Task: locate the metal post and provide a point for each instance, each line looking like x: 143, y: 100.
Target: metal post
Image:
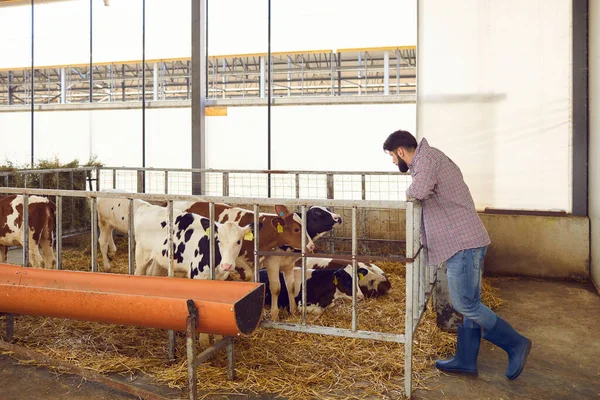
x: 262, y: 77
x: 408, y: 331
x: 140, y: 181
x: 63, y: 86
x: 25, y: 230
x: 41, y: 181
x: 166, y: 181
x: 359, y: 74
x: 199, y: 80
x: 211, y: 238
x: 297, y: 186
x: 114, y: 178
x: 91, y: 72
x: 59, y: 218
x: 32, y: 85
x: 416, y: 238
x: 230, y: 359
x: 94, y: 232
x: 330, y: 195
x: 143, y: 93
x: 10, y: 87
x: 225, y: 190
x: 386, y: 73
x: 72, y: 200
x: 224, y: 77
x: 171, y: 252
x: 97, y: 179
x: 256, y: 242
x: 363, y: 182
x: 131, y: 239
x: 354, y: 278
x: 155, y: 84
x: 190, y: 341
x: 303, y: 211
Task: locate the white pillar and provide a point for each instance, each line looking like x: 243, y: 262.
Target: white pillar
x: 155, y: 81
x: 262, y: 77
x: 63, y: 86
x: 386, y: 73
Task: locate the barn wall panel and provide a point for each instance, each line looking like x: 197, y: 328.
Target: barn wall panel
x: 494, y: 94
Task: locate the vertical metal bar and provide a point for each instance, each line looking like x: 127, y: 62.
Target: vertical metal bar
x: 10, y: 327
x: 143, y: 91
x: 270, y: 93
x: 297, y: 186
x: 339, y: 73
x: 57, y: 178
x: 32, y: 84
x: 59, y: 219
x: 330, y: 195
x: 166, y: 181
x: 114, y: 178
x: 140, y: 181
x: 72, y: 200
x: 303, y: 254
x: 262, y: 77
x: 63, y: 86
x: 25, y: 225
x: 155, y: 83
x: 230, y: 359
x: 131, y: 239
x: 170, y: 271
x: 91, y: 72
x: 354, y: 278
x: 386, y: 73
x: 199, y: 90
x: 190, y: 341
x: 211, y: 237
x: 225, y: 183
x: 416, y: 265
x: 6, y: 180
x: 94, y: 234
x: 97, y: 179
x: 256, y: 243
x: 397, y: 71
x: 41, y: 181
x: 408, y: 331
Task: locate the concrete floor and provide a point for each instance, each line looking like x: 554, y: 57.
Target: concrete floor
x: 561, y: 318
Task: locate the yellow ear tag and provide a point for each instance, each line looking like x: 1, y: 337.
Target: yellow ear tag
x: 360, y: 276
x: 248, y: 236
x: 208, y: 232
x: 335, y: 280
x: 279, y: 228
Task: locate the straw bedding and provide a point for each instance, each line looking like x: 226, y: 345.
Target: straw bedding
x: 289, y: 364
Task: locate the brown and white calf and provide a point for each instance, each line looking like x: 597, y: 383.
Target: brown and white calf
x: 372, y: 281
x: 282, y: 229
x: 41, y: 228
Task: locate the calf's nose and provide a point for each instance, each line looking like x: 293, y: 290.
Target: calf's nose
x: 227, y: 267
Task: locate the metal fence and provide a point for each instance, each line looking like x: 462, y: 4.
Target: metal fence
x: 420, y: 279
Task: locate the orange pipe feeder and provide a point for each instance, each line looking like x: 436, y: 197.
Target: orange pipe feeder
x: 225, y: 308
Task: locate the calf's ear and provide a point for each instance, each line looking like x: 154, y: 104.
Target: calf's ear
x: 278, y: 223
x: 281, y: 210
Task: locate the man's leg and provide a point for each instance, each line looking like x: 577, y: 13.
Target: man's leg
x: 464, y: 279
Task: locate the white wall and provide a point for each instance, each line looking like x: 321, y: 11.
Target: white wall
x: 494, y: 94
x: 594, y: 142
x: 235, y: 26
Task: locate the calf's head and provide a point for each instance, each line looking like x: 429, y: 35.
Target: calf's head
x: 229, y: 237
x: 320, y: 220
x: 342, y: 279
x: 374, y: 282
x: 289, y: 230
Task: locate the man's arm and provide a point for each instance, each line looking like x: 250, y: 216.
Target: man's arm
x: 423, y: 180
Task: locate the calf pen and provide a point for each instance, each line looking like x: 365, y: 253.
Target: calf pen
x: 420, y: 279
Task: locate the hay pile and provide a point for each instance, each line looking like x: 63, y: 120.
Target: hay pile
x: 289, y: 364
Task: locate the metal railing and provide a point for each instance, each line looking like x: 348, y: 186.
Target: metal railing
x: 420, y: 279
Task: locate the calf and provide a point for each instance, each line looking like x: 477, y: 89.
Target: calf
x: 41, y: 228
x: 322, y: 288
x: 319, y: 220
x: 191, y: 242
x: 372, y: 283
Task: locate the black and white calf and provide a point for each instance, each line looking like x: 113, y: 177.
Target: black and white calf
x: 372, y: 283
x: 319, y: 220
x: 323, y: 286
x: 191, y: 243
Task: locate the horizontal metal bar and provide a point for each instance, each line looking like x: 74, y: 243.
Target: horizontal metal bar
x: 232, y: 171
x: 212, y: 350
x: 398, y: 205
x: 325, y: 330
x: 338, y: 256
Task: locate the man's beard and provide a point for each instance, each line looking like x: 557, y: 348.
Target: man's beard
x: 402, y: 166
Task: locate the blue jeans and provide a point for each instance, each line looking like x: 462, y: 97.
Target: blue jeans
x: 465, y: 269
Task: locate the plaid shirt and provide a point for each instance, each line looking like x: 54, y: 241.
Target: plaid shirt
x: 450, y: 222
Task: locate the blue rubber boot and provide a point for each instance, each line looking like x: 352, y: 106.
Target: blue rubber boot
x: 467, y: 350
x: 516, y: 346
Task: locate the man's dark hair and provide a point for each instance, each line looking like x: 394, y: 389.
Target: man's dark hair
x: 400, y: 138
